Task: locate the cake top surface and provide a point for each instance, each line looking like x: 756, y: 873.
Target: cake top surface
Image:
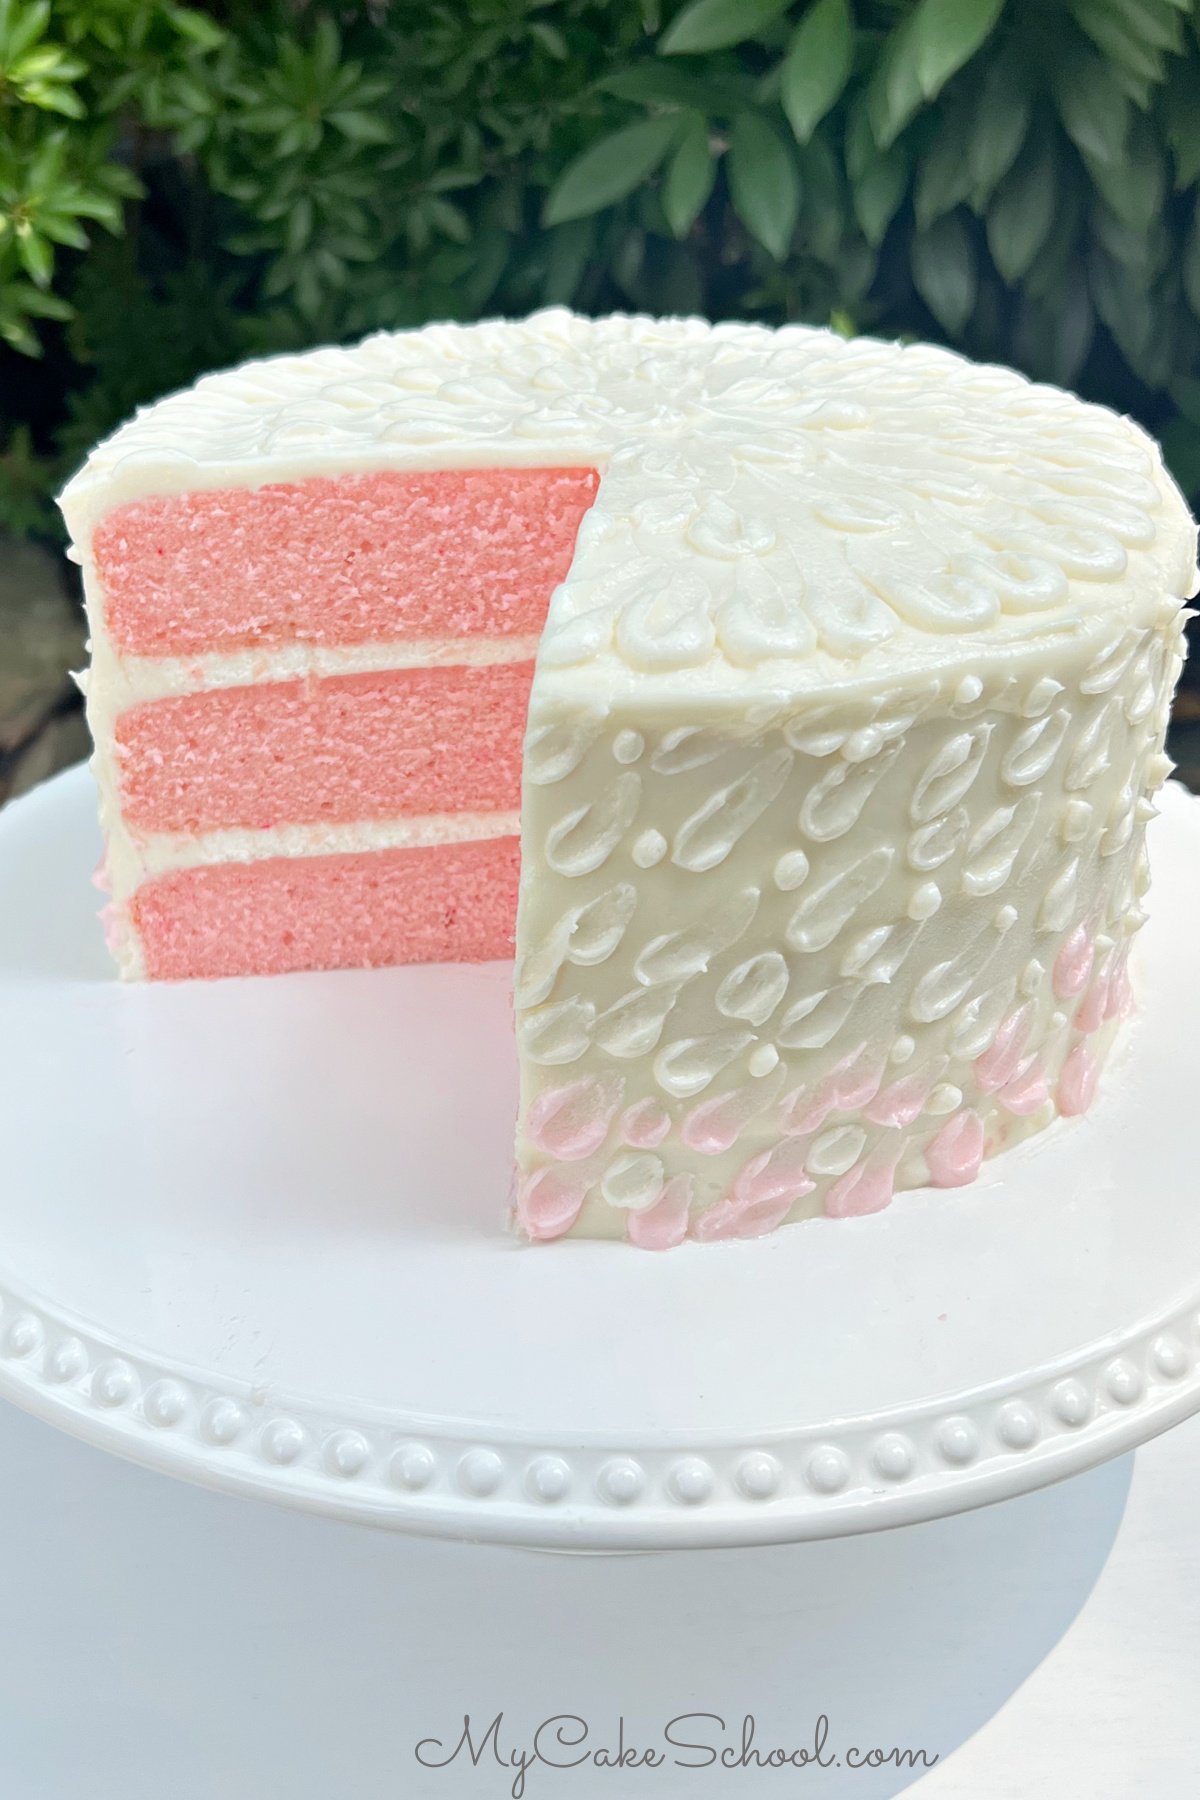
x: 768, y: 498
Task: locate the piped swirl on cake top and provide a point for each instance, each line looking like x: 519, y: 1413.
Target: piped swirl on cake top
x: 847, y: 669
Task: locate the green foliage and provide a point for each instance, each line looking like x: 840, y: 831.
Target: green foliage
x: 182, y: 186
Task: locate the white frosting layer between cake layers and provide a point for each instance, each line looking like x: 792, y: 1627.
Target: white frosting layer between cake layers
x: 161, y: 851
x: 840, y: 745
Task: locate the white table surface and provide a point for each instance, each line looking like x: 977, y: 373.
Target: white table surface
x: 159, y: 1642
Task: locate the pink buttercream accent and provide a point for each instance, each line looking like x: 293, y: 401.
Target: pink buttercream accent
x: 114, y: 927
x: 804, y: 1112
x: 663, y: 1225
x: 850, y: 1084
x: 1119, y: 1003
x: 1128, y: 1003
x: 1027, y: 1090
x: 100, y: 877
x: 867, y: 1188
x: 1073, y: 964
x: 764, y: 1193
x: 549, y: 1202
x: 645, y: 1124
x: 1093, y: 1008
x: 721, y: 1220
x: 1077, y: 1083
x: 955, y: 1153
x: 999, y: 1064
x: 857, y: 1079
x: 713, y: 1127
x: 572, y: 1122
x: 901, y: 1101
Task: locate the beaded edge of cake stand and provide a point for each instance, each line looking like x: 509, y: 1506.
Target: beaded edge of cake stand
x: 860, y: 1473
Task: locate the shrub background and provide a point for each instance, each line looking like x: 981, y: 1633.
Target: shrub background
x: 181, y: 187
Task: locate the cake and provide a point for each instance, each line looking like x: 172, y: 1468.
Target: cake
x: 799, y: 702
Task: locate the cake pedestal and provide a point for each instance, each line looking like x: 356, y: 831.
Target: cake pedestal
x: 251, y: 1233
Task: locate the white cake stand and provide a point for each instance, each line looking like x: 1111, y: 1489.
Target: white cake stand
x: 252, y: 1233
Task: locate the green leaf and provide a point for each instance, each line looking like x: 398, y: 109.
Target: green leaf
x: 204, y: 32
x: 1181, y: 448
x: 609, y: 170
x: 551, y: 39
x: 895, y: 91
x: 61, y: 228
x: 855, y: 270
x: 1121, y: 303
x: 1056, y: 264
x: 944, y: 272
x: 51, y: 98
x: 764, y: 184
x: 689, y: 178
x: 300, y: 222
x: 326, y: 47
x: 1135, y: 42
x: 1021, y: 214
x: 360, y: 127
x: 817, y: 66
x: 1147, y: 253
x: 929, y: 46
x: 669, y: 84
x: 1189, y: 268
x: 37, y: 256
x: 943, y: 179
x: 861, y: 148
x: 1156, y: 22
x: 1052, y: 339
x: 1070, y: 334
x: 878, y: 192
x: 449, y: 219
x: 19, y: 32
x: 1181, y: 122
x: 1092, y: 106
x: 998, y: 129
x: 571, y: 248
x: 715, y: 24
x: 825, y: 201
x: 946, y: 34
x: 1135, y: 188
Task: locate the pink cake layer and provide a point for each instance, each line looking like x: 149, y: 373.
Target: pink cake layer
x: 386, y: 745
x: 340, y: 561
x: 444, y: 903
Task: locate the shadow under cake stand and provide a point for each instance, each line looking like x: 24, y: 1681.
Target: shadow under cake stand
x: 252, y: 1234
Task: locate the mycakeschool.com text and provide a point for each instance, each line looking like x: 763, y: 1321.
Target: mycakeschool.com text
x: 694, y: 1740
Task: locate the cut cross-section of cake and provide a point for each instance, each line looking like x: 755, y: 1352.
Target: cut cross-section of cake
x: 813, y: 691
x: 308, y: 698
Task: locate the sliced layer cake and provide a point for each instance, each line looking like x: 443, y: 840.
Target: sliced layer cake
x: 853, y: 665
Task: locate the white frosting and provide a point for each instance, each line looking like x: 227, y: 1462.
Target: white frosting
x: 768, y: 498
x: 159, y: 852
x: 127, y: 680
x: 899, y: 915
x: 844, y: 726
